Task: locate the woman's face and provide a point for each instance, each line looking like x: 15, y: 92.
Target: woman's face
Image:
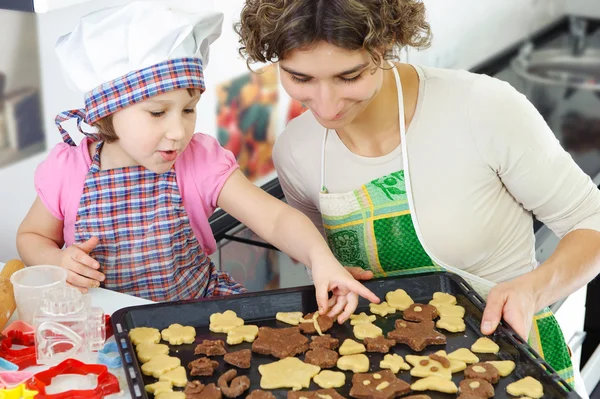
x: 334, y: 83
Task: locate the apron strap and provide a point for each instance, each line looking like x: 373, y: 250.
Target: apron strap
x: 322, y: 188
x: 70, y: 114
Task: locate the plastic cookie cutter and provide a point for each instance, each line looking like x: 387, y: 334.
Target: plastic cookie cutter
x: 18, y: 392
x: 21, y: 326
x: 107, y: 356
x: 11, y: 379
x: 5, y: 365
x: 23, y: 357
x: 107, y: 384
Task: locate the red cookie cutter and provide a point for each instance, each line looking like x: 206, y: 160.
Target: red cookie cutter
x: 24, y: 357
x: 108, y: 326
x: 108, y: 384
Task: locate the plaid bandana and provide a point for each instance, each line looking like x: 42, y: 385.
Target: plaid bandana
x: 181, y: 73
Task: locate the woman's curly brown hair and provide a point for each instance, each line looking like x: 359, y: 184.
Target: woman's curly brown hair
x: 269, y: 29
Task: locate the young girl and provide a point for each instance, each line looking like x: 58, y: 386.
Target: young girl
x: 131, y: 204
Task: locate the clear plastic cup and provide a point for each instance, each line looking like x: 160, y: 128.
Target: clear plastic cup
x: 30, y: 283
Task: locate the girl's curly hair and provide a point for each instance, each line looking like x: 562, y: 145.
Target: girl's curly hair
x: 269, y: 29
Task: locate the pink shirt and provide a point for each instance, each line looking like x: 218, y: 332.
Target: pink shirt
x: 201, y: 170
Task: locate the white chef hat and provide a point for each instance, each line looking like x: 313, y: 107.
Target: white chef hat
x: 122, y: 55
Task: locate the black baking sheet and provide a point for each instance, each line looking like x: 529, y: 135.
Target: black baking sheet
x: 260, y: 309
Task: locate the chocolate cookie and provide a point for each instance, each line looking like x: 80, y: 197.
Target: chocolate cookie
x: 324, y: 341
x: 325, y: 323
x: 211, y: 348
x: 324, y: 358
x: 420, y: 312
x: 238, y: 384
x: 483, y: 371
x: 241, y: 359
x: 280, y: 342
x: 197, y: 390
x: 416, y: 335
x: 380, y: 344
x: 203, y: 366
x: 260, y: 394
x: 380, y: 385
x: 475, y: 389
x: 320, y: 394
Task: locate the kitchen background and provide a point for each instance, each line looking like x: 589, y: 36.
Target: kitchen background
x: 245, y: 112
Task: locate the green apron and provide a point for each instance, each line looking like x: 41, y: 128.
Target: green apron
x: 373, y: 228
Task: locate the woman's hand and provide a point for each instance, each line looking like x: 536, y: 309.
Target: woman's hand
x: 82, y: 269
x: 359, y: 273
x: 516, y: 302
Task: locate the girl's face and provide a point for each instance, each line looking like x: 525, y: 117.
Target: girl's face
x: 334, y: 83
x: 154, y: 132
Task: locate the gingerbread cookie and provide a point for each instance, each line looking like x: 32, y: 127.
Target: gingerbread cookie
x: 527, y: 386
x: 380, y: 385
x: 314, y: 323
x: 292, y: 318
x: 394, y: 362
x: 177, y: 334
x: 434, y: 384
x: 320, y: 394
x: 232, y: 386
x: 398, y: 299
x: 367, y: 330
x: 241, y: 334
x: 224, y: 322
x: 452, y: 324
x: 351, y: 347
x: 361, y: 318
x: 324, y: 358
x: 504, y: 367
x: 379, y: 344
x: 485, y: 345
x: 424, y: 366
x: 211, y: 348
x: 290, y: 372
x: 382, y: 309
x: 203, y: 366
x: 144, y: 335
x: 197, y: 390
x: 260, y: 394
x: 475, y: 389
x: 147, y: 351
x: 464, y: 355
x: 160, y: 365
x: 416, y: 335
x: 330, y: 379
x: 483, y: 371
x: 280, y: 342
x: 241, y: 359
x: 175, y: 377
x: 324, y: 341
x: 355, y: 363
x: 159, y: 387
x: 420, y: 312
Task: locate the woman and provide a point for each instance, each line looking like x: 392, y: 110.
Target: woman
x: 409, y: 169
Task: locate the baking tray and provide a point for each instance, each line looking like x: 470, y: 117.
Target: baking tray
x: 260, y: 309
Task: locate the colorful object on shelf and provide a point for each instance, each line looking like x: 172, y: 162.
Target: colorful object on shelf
x: 11, y: 379
x: 108, y: 384
x: 18, y: 392
x: 105, y: 357
x: 24, y: 357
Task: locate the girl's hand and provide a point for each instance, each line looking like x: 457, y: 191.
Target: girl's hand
x: 82, y: 269
x: 331, y: 276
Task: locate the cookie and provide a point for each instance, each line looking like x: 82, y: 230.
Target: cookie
x: 424, y: 366
x: 475, y: 389
x: 420, y: 312
x: 382, y: 309
x: 211, y: 348
x: 147, y: 351
x: 280, y: 342
x: 463, y: 355
x: 160, y: 365
x: 175, y: 377
x: 290, y: 372
x: 241, y: 359
x: 442, y: 297
x: 483, y: 371
x: 398, y: 299
x: 351, y: 347
x: 324, y: 341
x: 355, y: 363
x: 485, y: 345
x: 292, y: 318
x: 452, y: 324
x: 379, y: 344
x: 197, y: 390
x: 434, y: 384
x: 203, y: 366
x: 159, y: 387
x: 455, y: 365
x: 416, y: 335
x: 445, y: 310
x: 260, y: 394
x: 380, y: 385
x: 394, y: 362
x: 232, y: 386
x: 504, y: 367
x: 527, y: 386
x: 176, y: 334
x: 224, y: 322
x: 330, y: 379
x: 144, y: 335
x: 170, y: 395
x: 417, y: 397
x: 441, y: 358
x: 320, y: 394
x: 324, y: 358
x: 242, y: 334
x: 314, y: 323
x: 361, y: 318
x: 367, y: 330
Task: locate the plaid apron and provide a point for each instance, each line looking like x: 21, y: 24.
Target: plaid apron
x: 373, y: 228
x: 147, y: 247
